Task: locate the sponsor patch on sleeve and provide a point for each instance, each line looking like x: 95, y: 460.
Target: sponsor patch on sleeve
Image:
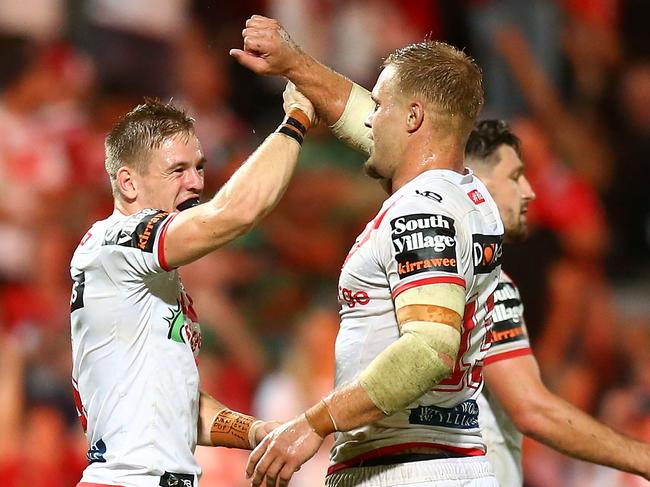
x: 140, y: 230
x: 424, y: 242
x: 508, y: 324
x: 487, y: 251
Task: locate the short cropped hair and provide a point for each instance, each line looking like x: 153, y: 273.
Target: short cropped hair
x: 487, y: 137
x: 140, y: 131
x: 442, y: 75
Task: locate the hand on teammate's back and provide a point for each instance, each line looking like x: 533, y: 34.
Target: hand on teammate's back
x: 268, y: 49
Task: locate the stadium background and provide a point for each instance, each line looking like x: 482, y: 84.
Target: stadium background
x: 572, y: 75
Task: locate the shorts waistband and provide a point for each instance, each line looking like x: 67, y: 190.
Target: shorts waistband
x: 427, y: 472
x: 404, y: 458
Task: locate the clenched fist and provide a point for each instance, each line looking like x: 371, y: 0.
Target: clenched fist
x: 268, y: 49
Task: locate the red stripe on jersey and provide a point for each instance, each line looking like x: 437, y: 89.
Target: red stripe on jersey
x: 161, y: 243
x: 394, y: 449
x: 80, y: 408
x: 373, y: 225
x: 429, y: 280
x: 490, y: 359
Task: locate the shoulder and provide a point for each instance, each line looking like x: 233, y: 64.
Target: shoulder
x: 137, y: 230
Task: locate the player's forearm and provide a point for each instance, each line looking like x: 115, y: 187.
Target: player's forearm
x: 247, y: 197
x: 220, y: 426
x: 257, y: 186
x: 565, y: 428
x: 351, y: 407
x: 326, y: 89
x: 392, y: 381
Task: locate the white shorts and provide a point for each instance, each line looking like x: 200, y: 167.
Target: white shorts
x: 448, y: 472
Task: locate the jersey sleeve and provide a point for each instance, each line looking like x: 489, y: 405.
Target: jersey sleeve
x: 422, y: 242
x: 508, y: 335
x: 137, y: 244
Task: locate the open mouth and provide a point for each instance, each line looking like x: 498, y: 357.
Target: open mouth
x: 191, y: 203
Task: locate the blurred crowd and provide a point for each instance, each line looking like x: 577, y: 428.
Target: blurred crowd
x: 573, y: 77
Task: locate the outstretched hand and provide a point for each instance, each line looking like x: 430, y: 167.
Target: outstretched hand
x: 282, y: 452
x: 268, y: 49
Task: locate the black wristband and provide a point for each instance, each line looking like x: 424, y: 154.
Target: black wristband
x: 295, y: 123
x: 283, y: 129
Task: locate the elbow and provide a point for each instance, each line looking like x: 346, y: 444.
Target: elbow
x: 526, y: 423
x: 532, y: 420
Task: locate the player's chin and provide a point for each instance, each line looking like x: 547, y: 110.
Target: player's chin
x: 370, y: 170
x: 516, y: 234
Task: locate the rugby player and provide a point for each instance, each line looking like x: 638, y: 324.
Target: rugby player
x: 135, y: 333
x: 515, y: 400
x: 422, y: 274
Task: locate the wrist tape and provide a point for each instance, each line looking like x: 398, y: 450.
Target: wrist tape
x: 320, y: 419
x: 295, y: 125
x: 233, y: 430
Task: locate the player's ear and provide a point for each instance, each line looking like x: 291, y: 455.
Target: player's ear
x: 415, y: 117
x: 126, y: 183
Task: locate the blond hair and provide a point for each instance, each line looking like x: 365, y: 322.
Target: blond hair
x: 442, y: 75
x: 139, y: 132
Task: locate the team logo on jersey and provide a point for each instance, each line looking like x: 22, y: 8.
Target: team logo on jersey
x: 487, y: 250
x: 96, y: 452
x: 424, y: 242
x: 462, y: 416
x: 181, y: 329
x: 176, y: 322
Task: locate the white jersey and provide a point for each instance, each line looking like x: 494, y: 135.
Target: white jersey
x: 134, y: 346
x: 508, y: 339
x: 441, y: 227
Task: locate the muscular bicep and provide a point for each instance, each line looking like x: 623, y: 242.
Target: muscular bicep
x: 198, y: 231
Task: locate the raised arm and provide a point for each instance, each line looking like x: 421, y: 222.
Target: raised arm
x: 342, y: 104
x: 556, y: 423
x: 250, y: 194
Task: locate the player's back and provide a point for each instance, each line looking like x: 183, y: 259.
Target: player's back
x: 441, y: 227
x: 134, y: 370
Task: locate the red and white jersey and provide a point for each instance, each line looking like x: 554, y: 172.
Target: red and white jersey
x: 441, y: 227
x: 509, y: 339
x: 135, y: 339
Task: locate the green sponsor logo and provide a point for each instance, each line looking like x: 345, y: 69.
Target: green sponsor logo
x: 175, y: 321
